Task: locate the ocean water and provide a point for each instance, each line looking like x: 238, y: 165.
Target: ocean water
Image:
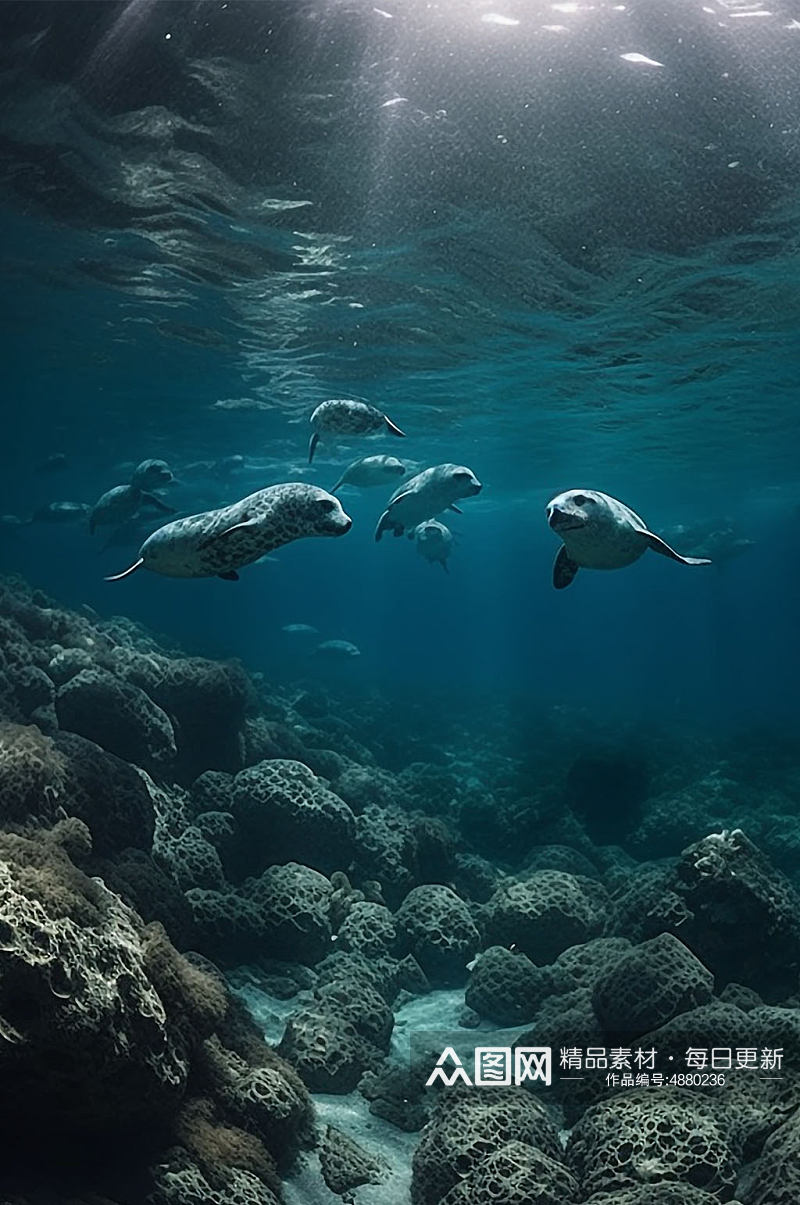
x: 556, y: 243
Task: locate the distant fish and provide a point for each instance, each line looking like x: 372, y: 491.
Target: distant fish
x: 370, y: 471
x: 299, y: 629
x: 434, y: 542
x: 61, y: 512
x: 53, y: 464
x: 345, y: 416
x: 336, y: 649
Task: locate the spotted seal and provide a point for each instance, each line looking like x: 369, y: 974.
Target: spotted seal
x: 369, y: 471
x: 344, y: 416
x: 434, y: 542
x: 149, y: 474
x: 426, y: 495
x: 218, y: 542
x: 122, y: 503
x: 599, y: 532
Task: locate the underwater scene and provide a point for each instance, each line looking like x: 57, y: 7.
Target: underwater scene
x: 399, y: 579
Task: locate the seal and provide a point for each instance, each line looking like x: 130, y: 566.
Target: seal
x: 61, y: 512
x: 599, y: 532
x: 427, y: 495
x: 369, y: 471
x: 149, y: 474
x: 122, y: 503
x: 336, y: 648
x: 344, y: 416
x: 720, y: 539
x: 434, y: 542
x: 218, y: 542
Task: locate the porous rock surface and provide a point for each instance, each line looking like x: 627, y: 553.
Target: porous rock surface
x: 649, y: 985
x: 466, y: 1127
x: 546, y: 913
x: 648, y: 1136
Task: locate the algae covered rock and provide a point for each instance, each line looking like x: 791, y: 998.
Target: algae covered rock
x: 745, y: 923
x: 650, y: 1136
x: 649, y: 985
x: 438, y: 930
x: 507, y: 988
x: 346, y: 1165
x: 466, y: 1127
x: 285, y: 813
x: 117, y: 716
x: 89, y: 1041
x: 546, y: 913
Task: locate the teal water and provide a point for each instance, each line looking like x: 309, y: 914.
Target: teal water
x: 557, y: 264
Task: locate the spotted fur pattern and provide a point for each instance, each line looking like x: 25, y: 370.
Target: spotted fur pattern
x: 221, y: 541
x: 341, y: 416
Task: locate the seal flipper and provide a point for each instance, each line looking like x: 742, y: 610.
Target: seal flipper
x: 659, y: 545
x: 386, y: 523
x: 564, y: 569
x: 230, y: 576
x: 117, y: 577
x: 393, y: 428
x: 453, y: 506
x: 152, y: 500
x: 312, y: 446
x: 245, y: 525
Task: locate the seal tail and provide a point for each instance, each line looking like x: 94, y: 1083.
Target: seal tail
x: 117, y: 577
x: 393, y: 428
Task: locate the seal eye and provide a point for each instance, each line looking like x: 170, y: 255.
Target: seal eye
x: 581, y: 499
x: 462, y: 476
x: 328, y: 504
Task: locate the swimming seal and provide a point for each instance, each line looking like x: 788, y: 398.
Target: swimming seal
x: 600, y: 532
x: 218, y: 542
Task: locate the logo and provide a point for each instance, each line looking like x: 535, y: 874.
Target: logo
x: 494, y: 1066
